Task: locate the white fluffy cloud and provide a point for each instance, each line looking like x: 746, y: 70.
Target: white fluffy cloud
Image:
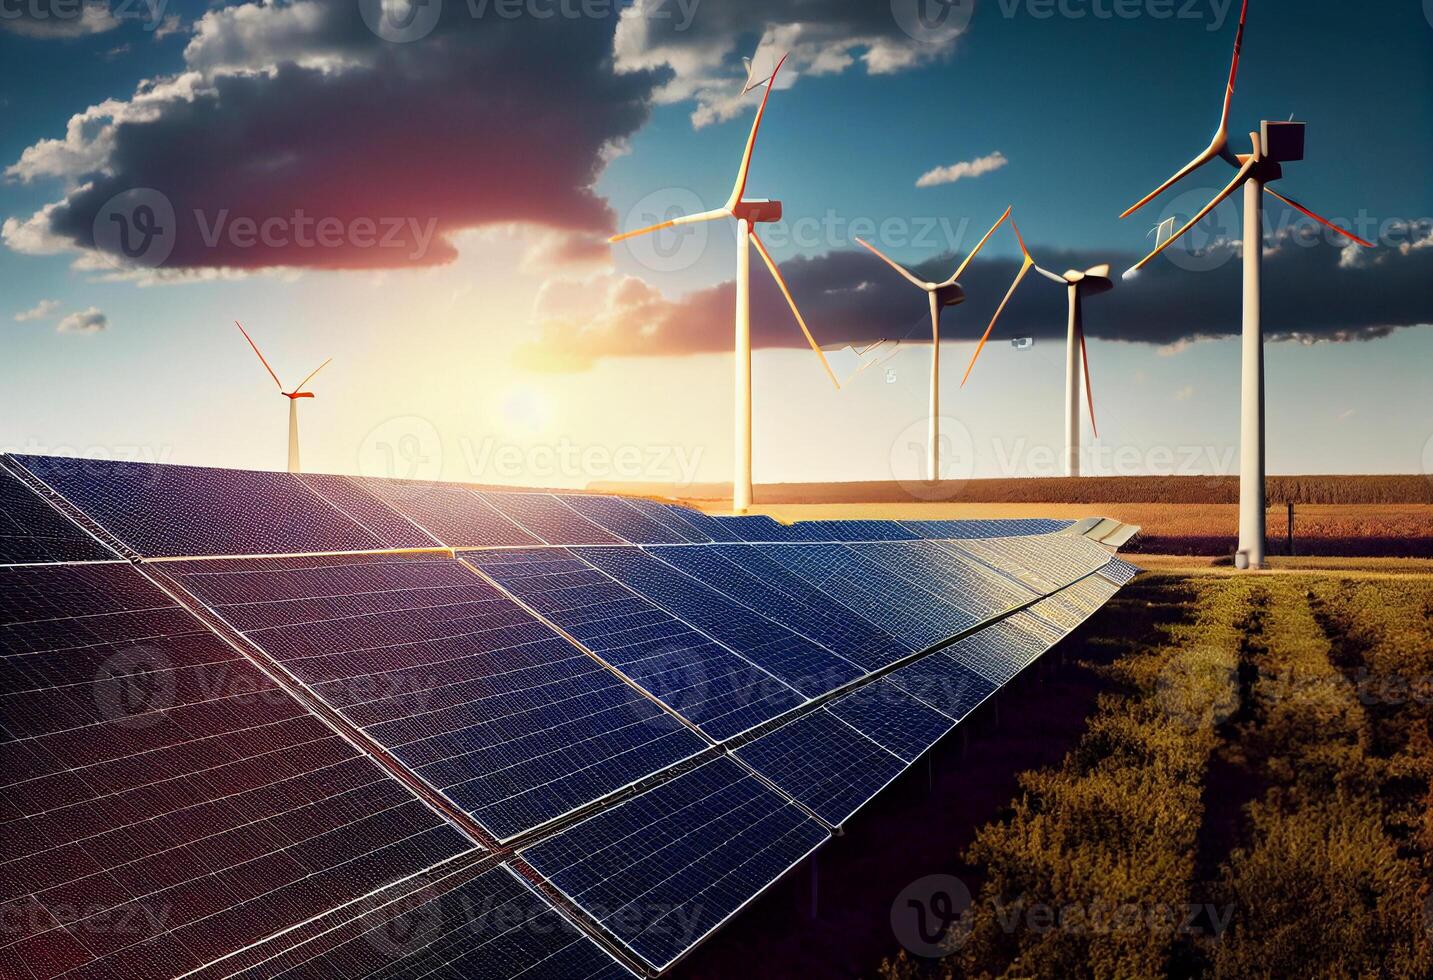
x: 962, y: 170
x: 88, y: 321
x: 40, y: 311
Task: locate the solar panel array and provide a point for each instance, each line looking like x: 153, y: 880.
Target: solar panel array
x: 323, y: 726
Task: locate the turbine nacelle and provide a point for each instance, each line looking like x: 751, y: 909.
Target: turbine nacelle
x: 757, y: 211
x: 296, y: 394
x: 949, y: 294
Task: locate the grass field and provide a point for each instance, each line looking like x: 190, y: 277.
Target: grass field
x: 1249, y: 796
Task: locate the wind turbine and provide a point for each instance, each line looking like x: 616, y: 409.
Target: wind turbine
x: 747, y: 214
x: 1276, y: 143
x: 292, y: 396
x: 940, y: 295
x: 1091, y: 282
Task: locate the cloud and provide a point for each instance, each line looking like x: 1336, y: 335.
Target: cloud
x: 234, y: 138
x: 1184, y: 394
x: 173, y: 24
x: 850, y: 297
x: 42, y: 310
x: 90, y: 321
x: 959, y: 171
x: 702, y: 44
x: 58, y: 19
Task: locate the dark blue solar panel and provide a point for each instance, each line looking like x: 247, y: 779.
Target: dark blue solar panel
x: 874, y: 530
x: 963, y: 580
x: 944, y: 683
x: 999, y: 651
x: 453, y: 514
x: 164, y: 803
x: 355, y: 502
x: 713, y: 528
x: 717, y: 690
x: 917, y: 615
x: 986, y: 528
x: 765, y: 585
x: 892, y: 718
x: 625, y: 520
x: 33, y: 531
x: 548, y: 518
x: 830, y: 767
x: 671, y: 518
x: 165, y: 511
x: 488, y: 705
x: 1045, y: 564
x: 664, y: 869
x: 810, y: 668
x: 491, y: 926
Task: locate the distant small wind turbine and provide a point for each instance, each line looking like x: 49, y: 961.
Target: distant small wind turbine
x: 292, y: 396
x: 1274, y: 144
x: 940, y: 295
x: 748, y: 213
x: 1091, y: 282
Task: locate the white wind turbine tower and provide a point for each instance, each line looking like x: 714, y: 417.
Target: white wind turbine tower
x: 747, y: 214
x: 1091, y: 282
x: 940, y: 295
x: 292, y: 396
x: 1275, y: 143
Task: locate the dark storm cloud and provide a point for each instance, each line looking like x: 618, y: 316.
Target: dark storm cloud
x: 301, y: 115
x: 849, y: 297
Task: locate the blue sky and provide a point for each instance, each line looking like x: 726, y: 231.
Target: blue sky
x: 450, y: 361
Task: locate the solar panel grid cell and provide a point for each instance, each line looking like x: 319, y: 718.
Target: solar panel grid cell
x: 802, y: 663
x: 548, y: 518
x: 892, y: 718
x: 1119, y: 572
x: 32, y: 531
x: 925, y: 564
x: 999, y: 651
x: 391, y: 528
x: 824, y: 763
x: 487, y: 926
x: 944, y: 683
x: 665, y: 868
x: 766, y: 586
x: 168, y: 511
x: 624, y: 519
x: 170, y: 804
x: 486, y: 704
x: 453, y: 514
x: 717, y: 690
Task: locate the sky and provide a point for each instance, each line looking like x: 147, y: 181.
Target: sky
x: 424, y: 193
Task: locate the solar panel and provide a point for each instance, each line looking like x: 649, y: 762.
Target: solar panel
x: 1046, y: 564
x: 874, y: 530
x: 165, y: 803
x: 980, y: 591
x: 166, y: 511
x: 802, y: 663
x: 624, y: 519
x: 547, y: 518
x: 719, y: 691
x: 391, y: 528
x: 1119, y: 571
x: 486, y: 926
x: 944, y: 683
x: 33, y: 531
x: 919, y: 616
x: 767, y: 586
x: 824, y: 763
x: 999, y: 651
x: 664, y: 869
x: 892, y: 718
x: 455, y: 515
x: 711, y: 528
x: 989, y: 528
x: 483, y: 702
x: 672, y: 518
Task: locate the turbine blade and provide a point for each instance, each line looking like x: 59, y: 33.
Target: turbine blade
x: 1215, y: 148
x: 1319, y: 218
x: 1234, y: 68
x: 685, y: 219
x: 1051, y: 276
x: 1025, y: 267
x: 304, y: 383
x: 1089, y: 392
x: 260, y: 353
x: 739, y: 188
x: 893, y: 264
x: 791, y: 302
x: 1218, y: 198
x: 978, y: 246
